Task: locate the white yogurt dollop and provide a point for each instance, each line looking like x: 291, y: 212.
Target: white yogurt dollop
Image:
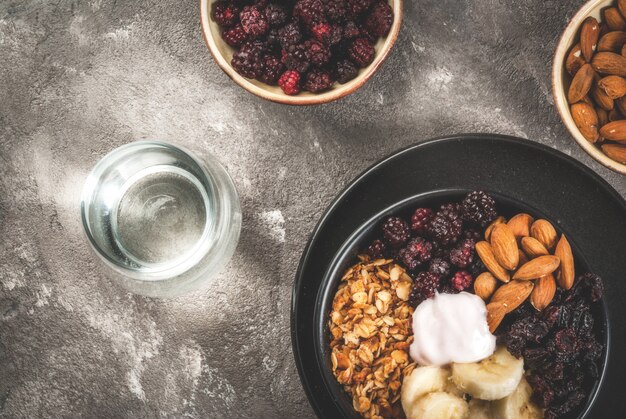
x: 451, y: 328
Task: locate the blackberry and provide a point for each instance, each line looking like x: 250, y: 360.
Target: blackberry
x: 360, y: 6
x: 477, y: 267
x: 440, y: 267
x: 289, y: 35
x: 376, y: 250
x: 345, y: 71
x: 327, y: 33
x: 336, y: 10
x: 296, y: 57
x: 463, y: 255
x: 446, y: 225
x: 318, y: 53
x: 235, y: 36
x: 272, y: 70
x: 475, y: 235
x: 420, y: 220
x: 290, y: 82
x: 478, y: 208
x: 362, y: 52
x: 253, y: 21
x: 395, y: 231
x: 379, y: 21
x: 424, y: 287
x: 225, y: 14
x: 309, y: 12
x: 276, y: 15
x: 417, y: 252
x: 461, y: 280
x: 248, y: 61
x: 351, y: 30
x: 318, y: 80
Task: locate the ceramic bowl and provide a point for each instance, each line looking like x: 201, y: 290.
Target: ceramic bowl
x: 223, y: 53
x: 561, y: 80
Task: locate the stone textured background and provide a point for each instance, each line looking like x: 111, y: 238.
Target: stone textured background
x: 78, y: 79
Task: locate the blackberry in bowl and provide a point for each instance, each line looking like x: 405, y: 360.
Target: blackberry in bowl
x: 301, y: 52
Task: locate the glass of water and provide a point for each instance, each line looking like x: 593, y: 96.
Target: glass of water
x: 163, y: 220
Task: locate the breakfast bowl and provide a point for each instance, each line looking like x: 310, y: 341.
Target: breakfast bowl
x: 222, y: 52
x: 395, y: 187
x: 613, y: 155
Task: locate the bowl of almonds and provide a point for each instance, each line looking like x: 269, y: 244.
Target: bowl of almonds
x: 589, y: 80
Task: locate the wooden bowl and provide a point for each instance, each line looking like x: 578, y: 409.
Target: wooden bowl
x: 223, y: 54
x: 561, y: 80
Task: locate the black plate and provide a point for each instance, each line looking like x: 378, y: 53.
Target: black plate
x: 523, y: 175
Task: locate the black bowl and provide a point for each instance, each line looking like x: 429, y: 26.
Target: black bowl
x: 523, y: 176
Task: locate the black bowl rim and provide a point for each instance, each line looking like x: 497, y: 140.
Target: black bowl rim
x: 449, y: 138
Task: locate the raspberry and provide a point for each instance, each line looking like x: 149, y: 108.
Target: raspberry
x: 445, y: 226
x: 463, y: 255
x: 440, y: 267
x: 318, y: 80
x: 289, y: 35
x: 362, y: 52
x: 376, y: 250
x: 235, y: 36
x: 276, y: 15
x: 225, y: 14
x: 296, y: 57
x: 253, y: 21
x: 478, y: 208
x: 318, y: 53
x: 272, y: 70
x: 424, y: 287
x: 248, y: 61
x: 290, y: 82
x: 335, y: 9
x: 417, y: 252
x: 396, y: 231
x: 345, y: 71
x: 309, y: 12
x: 461, y: 280
x: 420, y: 220
x: 378, y: 22
x: 360, y: 6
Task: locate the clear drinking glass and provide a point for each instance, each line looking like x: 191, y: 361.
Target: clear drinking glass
x: 163, y: 220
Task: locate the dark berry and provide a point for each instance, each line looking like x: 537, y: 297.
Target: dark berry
x: 235, y: 36
x: 446, y: 225
x: 478, y: 208
x: 225, y: 14
x: 475, y: 235
x: 592, y: 285
x: 463, y: 255
x: 420, y: 220
x: 440, y: 267
x: 248, y: 61
x: 351, y: 30
x: 378, y: 22
x: 253, y: 21
x: 296, y: 57
x: 318, y: 53
x: 309, y: 12
x: 318, y: 80
x: 345, y: 71
x: 272, y: 70
x: 289, y: 35
x: 424, y: 287
x: 276, y: 15
x: 362, y: 52
x: 360, y: 6
x: 290, y: 82
x: 417, y: 252
x: 461, y: 280
x: 335, y: 9
x: 327, y: 33
x: 376, y: 250
x: 477, y: 267
x: 396, y: 231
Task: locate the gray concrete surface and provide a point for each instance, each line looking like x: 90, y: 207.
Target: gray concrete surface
x: 78, y: 78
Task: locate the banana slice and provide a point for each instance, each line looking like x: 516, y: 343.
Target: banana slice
x: 423, y: 380
x: 439, y: 405
x: 480, y: 409
x: 518, y: 404
x: 492, y: 378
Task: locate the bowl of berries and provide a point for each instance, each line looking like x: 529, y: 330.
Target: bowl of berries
x: 303, y: 52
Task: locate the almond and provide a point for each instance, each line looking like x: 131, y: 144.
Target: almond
x: 484, y: 285
x: 486, y: 255
x: 538, y: 267
x: 581, y: 84
x: 533, y: 248
x: 615, y: 151
x: 513, y: 294
x: 609, y: 63
x: 614, y: 131
x: 504, y: 247
x: 543, y: 292
x: 495, y: 314
x: 520, y: 225
x: 614, y: 20
x: 566, y: 272
x: 621, y: 5
x: 574, y: 60
x: 543, y: 231
x: 601, y: 98
x: 523, y: 259
x: 613, y: 86
x: 612, y: 41
x: 586, y: 120
x: 603, y: 116
x: 490, y: 227
x: 589, y: 34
